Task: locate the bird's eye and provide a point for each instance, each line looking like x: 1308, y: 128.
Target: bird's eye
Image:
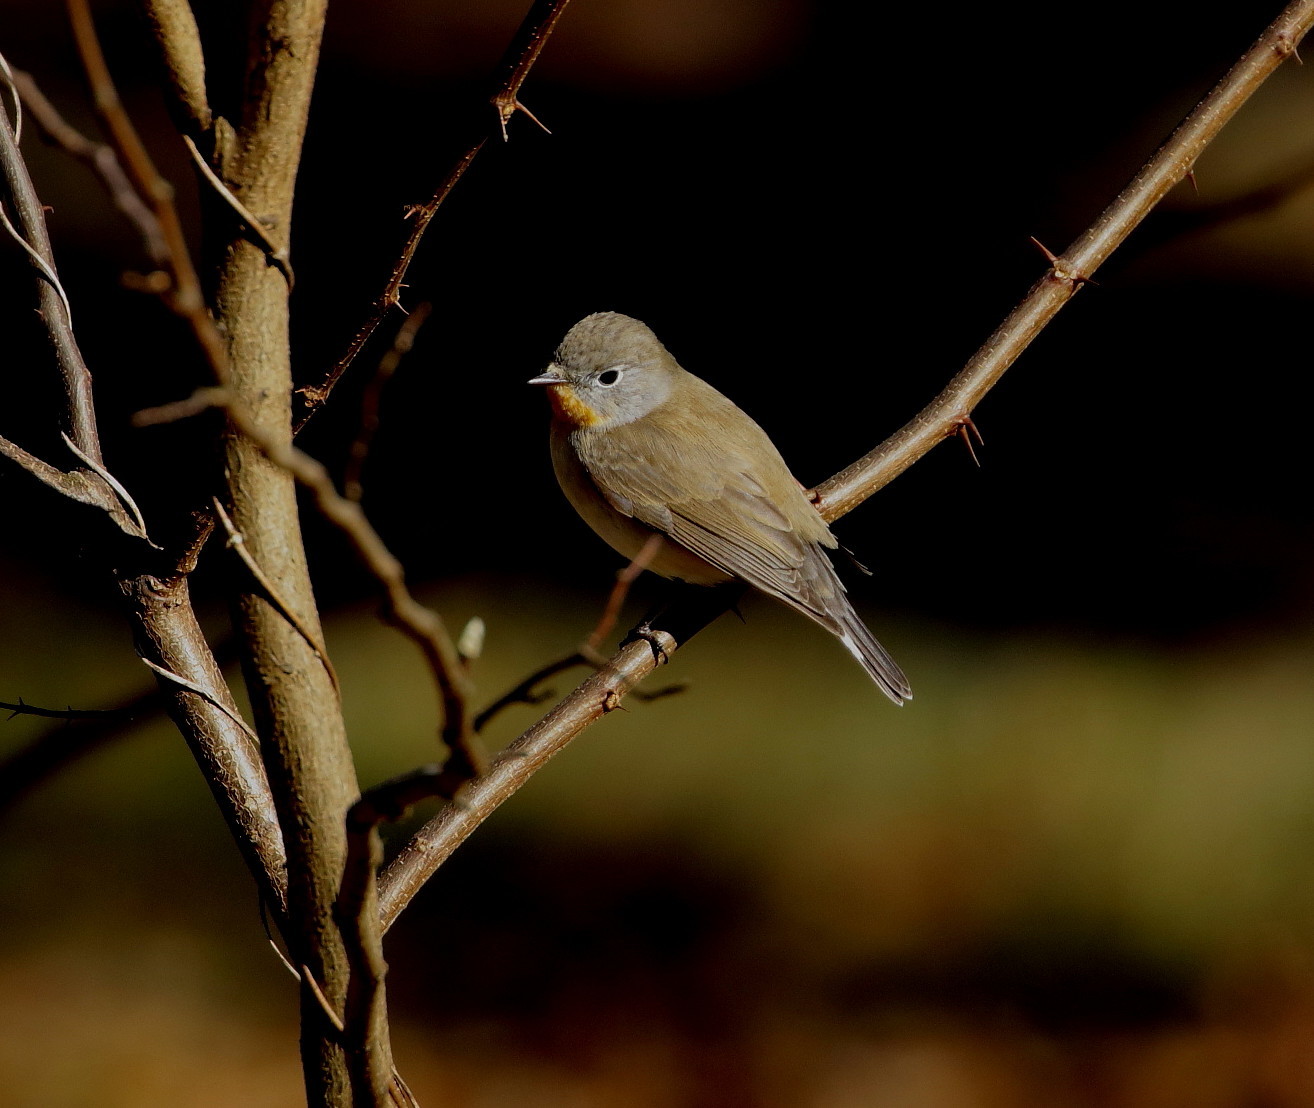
x: 609, y: 377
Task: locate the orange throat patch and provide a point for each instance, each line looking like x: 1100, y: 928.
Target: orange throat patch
x: 569, y: 408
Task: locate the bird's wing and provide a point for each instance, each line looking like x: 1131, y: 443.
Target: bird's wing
x: 725, y: 494
x: 728, y: 497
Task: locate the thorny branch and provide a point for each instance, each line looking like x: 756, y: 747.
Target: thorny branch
x: 154, y: 588
x: 183, y: 296
x: 589, y: 653
x: 420, y: 624
x: 513, y: 69
x: 352, y: 479
x: 22, y: 708
x: 940, y: 419
x: 100, y: 158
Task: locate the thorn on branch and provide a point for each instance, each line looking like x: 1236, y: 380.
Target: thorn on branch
x: 506, y: 105
x: 519, y: 58
x: 308, y: 979
x: 1059, y: 270
x: 966, y: 431
x: 589, y: 653
x: 275, y: 255
x: 237, y: 544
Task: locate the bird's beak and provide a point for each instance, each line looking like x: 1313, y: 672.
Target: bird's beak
x: 553, y: 375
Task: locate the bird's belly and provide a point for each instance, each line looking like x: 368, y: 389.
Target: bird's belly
x: 622, y: 533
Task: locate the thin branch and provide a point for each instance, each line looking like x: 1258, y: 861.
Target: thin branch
x: 22, y: 708
x: 19, y: 198
x: 352, y: 487
x: 100, y: 158
x: 520, y: 57
x: 524, y: 50
x: 524, y: 693
x: 184, y: 295
x: 589, y: 652
x: 356, y: 910
x: 602, y: 692
x: 1073, y: 268
x: 621, y: 589
x: 82, y: 486
x: 155, y: 591
x: 79, y: 733
x: 420, y: 624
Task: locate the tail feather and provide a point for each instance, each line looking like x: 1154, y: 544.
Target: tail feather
x: 822, y: 596
x: 875, y: 659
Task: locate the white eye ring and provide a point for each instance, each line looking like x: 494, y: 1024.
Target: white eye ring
x: 611, y: 377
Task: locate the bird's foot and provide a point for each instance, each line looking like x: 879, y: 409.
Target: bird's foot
x: 645, y: 632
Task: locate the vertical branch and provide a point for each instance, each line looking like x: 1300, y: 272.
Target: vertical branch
x: 167, y: 635
x: 295, y: 702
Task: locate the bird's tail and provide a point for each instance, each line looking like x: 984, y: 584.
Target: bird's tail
x: 875, y: 659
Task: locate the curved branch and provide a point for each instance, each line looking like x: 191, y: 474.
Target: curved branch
x: 434, y: 842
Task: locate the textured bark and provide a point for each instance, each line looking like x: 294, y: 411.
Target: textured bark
x: 292, y: 694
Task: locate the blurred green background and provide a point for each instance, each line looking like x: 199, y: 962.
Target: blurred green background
x: 1075, y: 870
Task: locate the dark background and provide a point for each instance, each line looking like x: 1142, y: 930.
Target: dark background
x: 823, y: 211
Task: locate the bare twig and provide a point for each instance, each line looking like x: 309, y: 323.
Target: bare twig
x: 602, y: 692
x: 524, y: 50
x: 524, y: 693
x: 420, y: 624
x: 352, y: 487
x: 19, y: 199
x: 356, y: 910
x: 155, y: 590
x: 78, y: 734
x: 1071, y: 270
x: 520, y: 57
x: 22, y: 708
x: 183, y: 295
x: 621, y: 589
x: 97, y: 156
x: 588, y: 654
x: 7, y: 72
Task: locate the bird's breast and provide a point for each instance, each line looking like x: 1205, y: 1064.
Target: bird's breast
x: 621, y: 532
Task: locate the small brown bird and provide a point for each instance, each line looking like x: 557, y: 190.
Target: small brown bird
x: 640, y: 445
